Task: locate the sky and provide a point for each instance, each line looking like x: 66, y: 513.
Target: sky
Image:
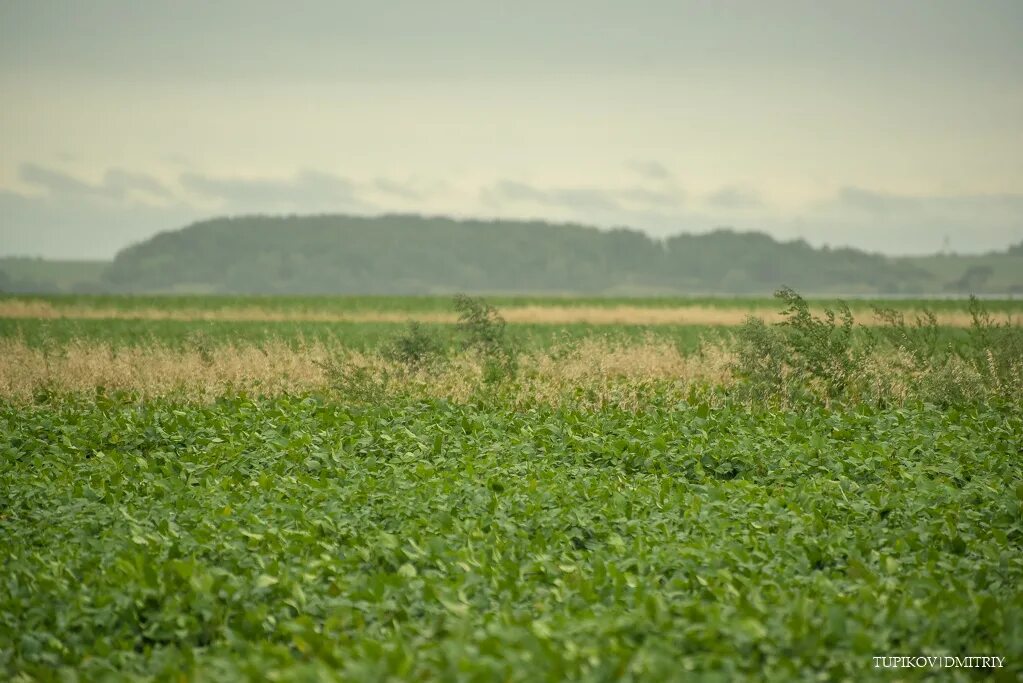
x: 891, y: 127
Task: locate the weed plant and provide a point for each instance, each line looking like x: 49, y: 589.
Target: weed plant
x: 809, y: 357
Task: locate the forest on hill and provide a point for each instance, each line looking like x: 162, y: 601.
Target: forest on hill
x: 407, y: 254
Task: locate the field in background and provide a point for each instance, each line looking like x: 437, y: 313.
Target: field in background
x: 366, y: 323
x: 339, y: 306
x: 360, y: 336
x: 311, y: 314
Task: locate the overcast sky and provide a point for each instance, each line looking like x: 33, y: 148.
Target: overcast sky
x: 888, y: 126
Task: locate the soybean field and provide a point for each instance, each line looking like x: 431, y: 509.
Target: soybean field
x: 508, y: 489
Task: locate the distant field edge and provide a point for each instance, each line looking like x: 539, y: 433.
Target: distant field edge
x: 530, y: 311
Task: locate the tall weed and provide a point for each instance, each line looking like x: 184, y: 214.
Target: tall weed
x: 484, y: 332
x: 827, y: 358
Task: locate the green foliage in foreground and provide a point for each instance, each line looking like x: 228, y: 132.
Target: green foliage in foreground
x: 304, y: 539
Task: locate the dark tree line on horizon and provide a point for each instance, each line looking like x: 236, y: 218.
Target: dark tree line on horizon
x: 403, y: 254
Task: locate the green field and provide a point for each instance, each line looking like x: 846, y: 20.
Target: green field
x: 306, y: 538
x: 425, y: 304
x: 522, y: 502
x: 363, y: 336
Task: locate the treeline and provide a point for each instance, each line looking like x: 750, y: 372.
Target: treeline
x: 22, y: 275
x: 398, y: 254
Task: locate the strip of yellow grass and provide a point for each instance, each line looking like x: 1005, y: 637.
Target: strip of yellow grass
x: 81, y: 367
x: 606, y: 372
x: 595, y: 315
x: 591, y: 373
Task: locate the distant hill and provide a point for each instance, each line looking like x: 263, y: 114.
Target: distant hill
x: 401, y: 254
x: 410, y: 254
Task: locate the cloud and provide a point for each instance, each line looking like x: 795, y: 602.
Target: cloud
x: 883, y: 203
x: 513, y: 191
x: 651, y: 170
x: 76, y: 226
x: 661, y: 199
x: 904, y: 224
x: 659, y: 211
x: 73, y: 217
x: 734, y: 197
x: 122, y: 182
x: 308, y: 191
x: 580, y: 198
x: 56, y: 182
x: 398, y: 189
x: 873, y: 221
x: 117, y: 184
x: 583, y: 198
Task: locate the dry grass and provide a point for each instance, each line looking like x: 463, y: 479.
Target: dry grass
x: 600, y: 371
x: 898, y: 376
x: 591, y: 373
x: 596, y: 315
x: 81, y: 367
